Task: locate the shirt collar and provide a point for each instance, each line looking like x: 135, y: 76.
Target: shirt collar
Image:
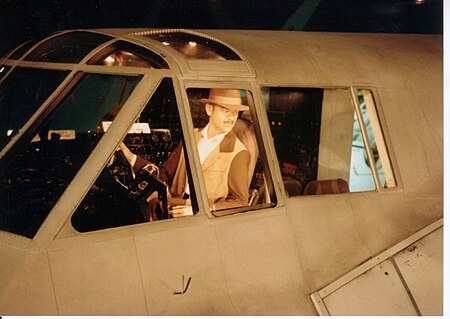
x: 218, y: 137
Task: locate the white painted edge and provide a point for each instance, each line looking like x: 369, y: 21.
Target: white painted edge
x: 379, y: 140
x: 324, y: 292
x: 319, y: 304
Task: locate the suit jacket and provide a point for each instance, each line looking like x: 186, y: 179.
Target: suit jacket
x: 224, y: 171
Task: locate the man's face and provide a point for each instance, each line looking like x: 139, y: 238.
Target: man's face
x: 221, y: 120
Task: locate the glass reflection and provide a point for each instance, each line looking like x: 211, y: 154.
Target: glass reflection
x: 38, y: 174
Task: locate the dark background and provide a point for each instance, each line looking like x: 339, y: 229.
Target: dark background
x: 21, y: 20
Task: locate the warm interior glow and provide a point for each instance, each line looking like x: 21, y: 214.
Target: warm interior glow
x: 110, y: 59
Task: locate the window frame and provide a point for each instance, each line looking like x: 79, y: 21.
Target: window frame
x: 44, y: 117
x: 381, y: 137
x: 384, y: 141
x: 58, y: 221
x: 83, y: 180
x: 192, y: 151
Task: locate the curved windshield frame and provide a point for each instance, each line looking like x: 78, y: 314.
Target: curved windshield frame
x: 22, y: 49
x: 69, y: 47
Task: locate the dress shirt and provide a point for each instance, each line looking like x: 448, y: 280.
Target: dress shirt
x: 206, y: 146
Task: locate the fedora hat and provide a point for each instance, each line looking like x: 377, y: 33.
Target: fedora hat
x: 228, y: 98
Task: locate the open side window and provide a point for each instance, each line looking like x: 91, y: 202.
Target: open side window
x: 231, y: 152
x: 322, y: 138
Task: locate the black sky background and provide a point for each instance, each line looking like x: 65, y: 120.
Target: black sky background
x: 22, y: 20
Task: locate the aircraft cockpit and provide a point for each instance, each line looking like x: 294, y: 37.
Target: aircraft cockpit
x: 70, y: 100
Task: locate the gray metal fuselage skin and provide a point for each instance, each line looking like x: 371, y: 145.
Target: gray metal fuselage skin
x: 261, y: 262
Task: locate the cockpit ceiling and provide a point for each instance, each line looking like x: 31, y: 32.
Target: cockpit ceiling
x: 73, y: 46
x: 193, y: 46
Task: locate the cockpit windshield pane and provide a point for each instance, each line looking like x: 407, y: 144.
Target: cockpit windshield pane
x: 195, y: 47
x: 33, y: 181
x: 21, y: 94
x: 69, y: 47
x: 123, y: 53
x: 133, y: 187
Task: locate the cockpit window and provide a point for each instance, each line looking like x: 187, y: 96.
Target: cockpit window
x: 21, y: 94
x: 69, y: 47
x: 134, y: 185
x: 123, y: 53
x: 233, y: 161
x: 148, y: 178
x: 195, y: 47
x: 97, y: 97
x: 36, y: 175
x: 319, y: 141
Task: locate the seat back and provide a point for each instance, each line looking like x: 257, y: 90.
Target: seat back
x: 331, y: 186
x: 245, y: 132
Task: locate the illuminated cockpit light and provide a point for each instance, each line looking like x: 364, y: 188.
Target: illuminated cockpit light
x: 194, y: 46
x: 9, y: 132
x: 110, y: 59
x: 122, y: 53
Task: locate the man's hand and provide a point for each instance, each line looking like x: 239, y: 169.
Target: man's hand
x: 181, y: 211
x: 126, y: 151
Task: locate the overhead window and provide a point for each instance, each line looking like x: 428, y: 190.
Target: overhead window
x: 22, y: 49
x: 69, y: 47
x: 318, y: 139
x: 195, y: 47
x: 21, y: 94
x: 123, y: 53
x: 37, y: 172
